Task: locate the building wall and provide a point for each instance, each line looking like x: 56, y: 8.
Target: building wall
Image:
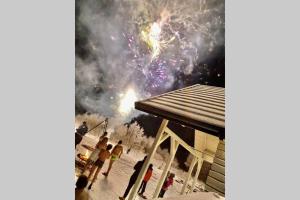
x: 215, y: 181
x: 206, y: 143
x: 214, y: 153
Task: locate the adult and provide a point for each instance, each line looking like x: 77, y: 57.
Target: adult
x: 115, y: 155
x: 102, y: 144
x: 103, y: 136
x: 103, y: 155
x: 80, y: 193
x: 138, y: 166
x: 80, y: 132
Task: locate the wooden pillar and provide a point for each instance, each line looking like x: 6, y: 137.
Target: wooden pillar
x: 143, y: 171
x: 199, y: 165
x: 189, y: 174
x: 173, y: 149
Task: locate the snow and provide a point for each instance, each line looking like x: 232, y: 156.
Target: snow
x: 196, y: 196
x: 113, y: 186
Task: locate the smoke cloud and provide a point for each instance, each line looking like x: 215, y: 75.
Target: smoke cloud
x: 121, y: 57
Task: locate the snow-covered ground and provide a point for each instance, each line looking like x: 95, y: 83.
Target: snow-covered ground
x: 113, y: 186
x: 196, y: 196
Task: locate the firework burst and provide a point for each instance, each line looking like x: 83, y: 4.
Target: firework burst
x: 143, y: 44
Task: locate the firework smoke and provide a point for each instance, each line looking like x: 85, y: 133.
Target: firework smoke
x: 137, y: 46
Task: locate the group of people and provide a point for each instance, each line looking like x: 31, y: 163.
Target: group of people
x: 137, y: 168
x: 97, y: 159
x: 99, y: 155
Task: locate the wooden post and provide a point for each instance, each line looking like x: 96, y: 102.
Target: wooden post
x: 143, y: 171
x: 164, y: 137
x: 173, y: 149
x: 189, y: 174
x: 199, y: 164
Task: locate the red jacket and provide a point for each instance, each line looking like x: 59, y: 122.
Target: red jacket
x: 148, y: 175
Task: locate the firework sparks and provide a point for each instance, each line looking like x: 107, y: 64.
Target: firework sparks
x: 152, y: 37
x: 127, y: 101
x: 150, y: 41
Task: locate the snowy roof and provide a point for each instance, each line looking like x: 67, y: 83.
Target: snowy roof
x: 199, y: 106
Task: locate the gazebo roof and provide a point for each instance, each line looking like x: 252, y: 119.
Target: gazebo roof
x: 199, y: 106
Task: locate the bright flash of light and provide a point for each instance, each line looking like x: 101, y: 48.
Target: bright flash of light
x: 87, y: 154
x: 136, y: 39
x: 152, y: 37
x: 127, y: 102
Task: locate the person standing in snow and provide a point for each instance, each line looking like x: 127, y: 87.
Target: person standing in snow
x: 80, y: 132
x: 115, y: 154
x: 102, y: 144
x: 80, y: 192
x: 137, y: 167
x: 168, y: 182
x: 145, y: 181
x: 103, y: 155
x: 103, y: 136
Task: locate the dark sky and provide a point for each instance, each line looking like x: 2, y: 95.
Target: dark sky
x: 210, y: 71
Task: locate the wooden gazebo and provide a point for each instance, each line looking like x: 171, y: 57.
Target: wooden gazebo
x: 201, y: 107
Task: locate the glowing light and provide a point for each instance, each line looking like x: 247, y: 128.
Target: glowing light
x: 87, y: 154
x: 127, y: 102
x: 137, y: 41
x: 152, y: 37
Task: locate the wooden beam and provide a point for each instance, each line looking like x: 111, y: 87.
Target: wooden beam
x: 183, y: 143
x: 164, y: 137
x: 199, y: 165
x: 189, y: 175
x: 174, y: 147
x: 143, y: 171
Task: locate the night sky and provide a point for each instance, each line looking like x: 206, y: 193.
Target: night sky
x: 111, y: 56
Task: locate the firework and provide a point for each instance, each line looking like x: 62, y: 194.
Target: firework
x: 143, y: 44
x: 127, y: 101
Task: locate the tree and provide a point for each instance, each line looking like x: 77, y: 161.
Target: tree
x: 132, y: 135
x: 119, y: 133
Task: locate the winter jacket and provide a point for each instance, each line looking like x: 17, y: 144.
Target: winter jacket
x: 148, y: 175
x: 167, y: 183
x: 82, y: 130
x: 138, y: 166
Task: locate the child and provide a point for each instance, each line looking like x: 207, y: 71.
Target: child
x: 115, y: 154
x: 102, y: 144
x: 80, y: 193
x: 145, y: 181
x: 103, y: 155
x: 168, y: 182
